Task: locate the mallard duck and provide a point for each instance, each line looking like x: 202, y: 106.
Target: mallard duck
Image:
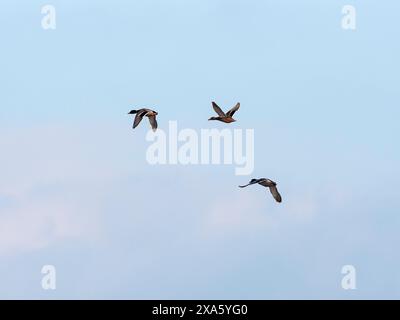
x: 151, y: 114
x: 269, y: 184
x: 222, y: 116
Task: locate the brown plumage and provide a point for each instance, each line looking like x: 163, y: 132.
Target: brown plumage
x: 151, y: 114
x: 222, y: 116
x: 268, y: 184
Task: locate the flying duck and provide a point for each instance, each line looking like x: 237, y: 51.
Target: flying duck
x: 266, y: 183
x: 151, y: 114
x: 222, y: 116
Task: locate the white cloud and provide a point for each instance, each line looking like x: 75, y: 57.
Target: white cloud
x: 32, y: 224
x: 234, y: 214
x: 301, y: 207
x: 253, y: 211
x: 49, y: 154
x: 52, y: 178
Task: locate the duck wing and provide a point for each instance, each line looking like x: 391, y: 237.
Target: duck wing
x: 245, y: 185
x: 231, y: 112
x: 266, y: 183
x: 218, y: 110
x: 249, y: 184
x: 275, y: 194
x: 153, y: 122
x: 138, y: 118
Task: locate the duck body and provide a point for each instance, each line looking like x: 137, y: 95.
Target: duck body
x: 268, y: 183
x: 222, y: 116
x: 144, y: 112
x: 222, y: 119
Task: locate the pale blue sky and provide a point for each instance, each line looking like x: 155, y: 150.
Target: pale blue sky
x: 76, y: 190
